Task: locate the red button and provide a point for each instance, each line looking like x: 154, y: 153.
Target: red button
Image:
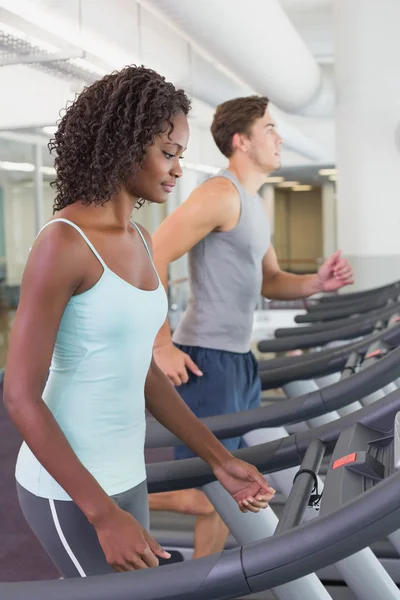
x: 374, y: 353
x: 345, y: 460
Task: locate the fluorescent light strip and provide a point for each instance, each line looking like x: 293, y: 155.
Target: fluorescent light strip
x: 48, y: 171
x: 50, y: 130
x: 286, y: 184
x: 202, y: 168
x: 24, y: 167
x: 29, y: 39
x: 14, y: 166
x: 274, y: 179
x: 327, y: 171
x: 302, y: 188
x: 60, y: 27
x: 81, y: 63
x: 29, y: 167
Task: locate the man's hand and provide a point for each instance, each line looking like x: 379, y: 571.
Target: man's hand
x: 335, y: 273
x: 174, y: 363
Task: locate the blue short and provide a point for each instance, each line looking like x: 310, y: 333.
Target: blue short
x: 229, y: 384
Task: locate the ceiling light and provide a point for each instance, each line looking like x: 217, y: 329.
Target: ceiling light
x: 24, y: 167
x: 202, y: 168
x: 274, y: 179
x: 285, y: 184
x: 302, y: 188
x: 22, y: 48
x: 29, y: 39
x: 14, y: 166
x: 327, y: 171
x: 48, y: 171
x: 112, y: 56
x: 50, y: 130
x: 89, y: 66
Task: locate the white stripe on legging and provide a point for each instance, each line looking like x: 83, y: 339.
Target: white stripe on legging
x: 63, y: 540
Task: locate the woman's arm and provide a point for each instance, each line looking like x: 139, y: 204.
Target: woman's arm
x: 243, y: 481
x: 54, y: 270
x: 165, y: 404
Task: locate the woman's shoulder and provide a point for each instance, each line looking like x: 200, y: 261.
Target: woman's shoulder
x: 58, y: 248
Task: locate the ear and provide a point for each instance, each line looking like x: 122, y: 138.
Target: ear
x: 240, y: 142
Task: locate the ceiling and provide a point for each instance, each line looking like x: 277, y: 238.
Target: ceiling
x: 305, y: 174
x: 124, y: 31
x: 313, y: 19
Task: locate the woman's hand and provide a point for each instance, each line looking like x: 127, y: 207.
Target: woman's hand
x: 245, y: 484
x: 126, y: 544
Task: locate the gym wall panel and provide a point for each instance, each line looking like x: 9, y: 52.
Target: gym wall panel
x: 305, y: 229
x: 19, y: 219
x: 298, y: 238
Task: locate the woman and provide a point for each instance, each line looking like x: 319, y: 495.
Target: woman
x: 91, y: 304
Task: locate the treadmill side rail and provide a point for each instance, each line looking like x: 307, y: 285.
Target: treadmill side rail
x: 396, y: 441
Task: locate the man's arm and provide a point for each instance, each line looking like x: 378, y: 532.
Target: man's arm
x: 279, y: 285
x: 208, y: 208
x: 213, y: 206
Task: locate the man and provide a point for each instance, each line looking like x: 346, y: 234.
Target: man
x: 223, y: 227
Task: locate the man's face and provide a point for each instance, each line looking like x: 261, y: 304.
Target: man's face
x: 264, y: 144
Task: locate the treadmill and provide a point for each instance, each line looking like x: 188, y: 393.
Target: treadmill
x: 322, y: 334
x: 359, y: 505
x: 340, y: 299
x: 316, y: 407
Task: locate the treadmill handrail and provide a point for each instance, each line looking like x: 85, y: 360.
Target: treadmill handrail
x: 271, y: 456
x: 291, y: 410
x: 320, y: 319
x: 312, y: 340
x: 317, y: 313
x: 319, y: 542
x: 351, y: 302
x: 362, y: 294
x: 390, y: 335
x: 326, y: 325
x: 319, y: 367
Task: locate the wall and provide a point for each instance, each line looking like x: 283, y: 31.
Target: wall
x: 19, y: 219
x: 329, y: 220
x: 298, y: 229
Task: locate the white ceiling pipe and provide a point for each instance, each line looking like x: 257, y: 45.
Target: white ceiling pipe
x: 209, y: 77
x: 257, y: 42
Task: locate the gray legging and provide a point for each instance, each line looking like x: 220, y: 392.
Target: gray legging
x: 68, y: 537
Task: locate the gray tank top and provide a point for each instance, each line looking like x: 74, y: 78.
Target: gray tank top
x: 225, y: 276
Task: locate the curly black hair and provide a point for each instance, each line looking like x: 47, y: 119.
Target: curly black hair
x: 104, y: 133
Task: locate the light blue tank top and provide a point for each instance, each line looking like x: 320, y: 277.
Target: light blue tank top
x: 95, y: 388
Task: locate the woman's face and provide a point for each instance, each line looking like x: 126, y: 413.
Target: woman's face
x: 160, y: 167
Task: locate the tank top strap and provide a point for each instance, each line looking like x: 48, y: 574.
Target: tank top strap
x: 143, y: 239
x: 79, y: 230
